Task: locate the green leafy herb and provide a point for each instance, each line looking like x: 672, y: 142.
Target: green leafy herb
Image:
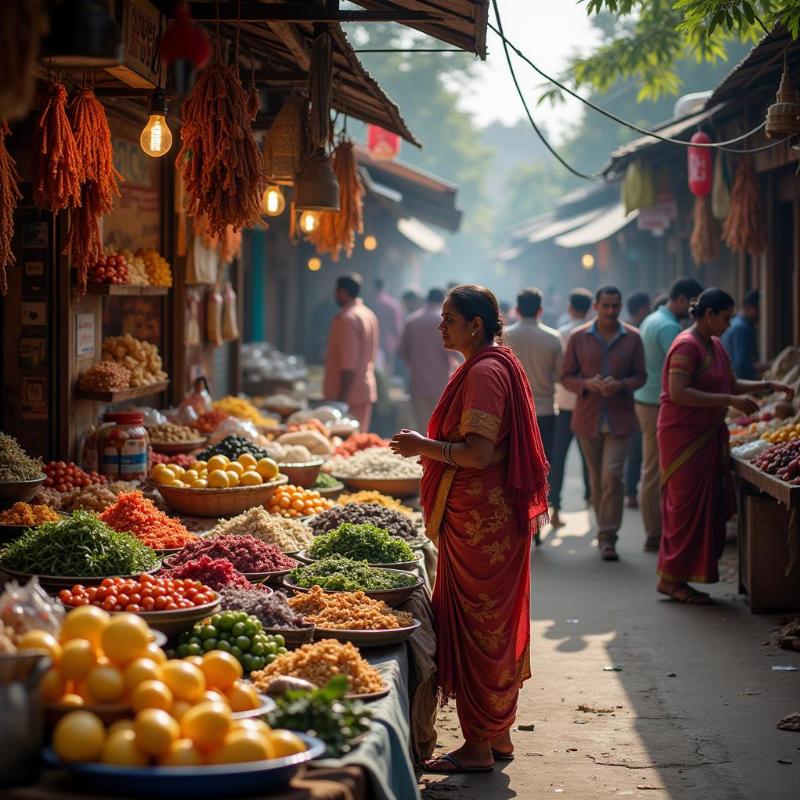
x: 324, y: 713
x: 344, y: 574
x: 325, y: 481
x: 15, y: 463
x: 80, y: 545
x: 362, y: 542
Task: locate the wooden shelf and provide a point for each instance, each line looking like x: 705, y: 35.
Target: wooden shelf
x: 125, y: 289
x: 786, y: 493
x: 123, y: 394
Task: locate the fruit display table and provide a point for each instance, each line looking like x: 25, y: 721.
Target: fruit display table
x: 769, y: 539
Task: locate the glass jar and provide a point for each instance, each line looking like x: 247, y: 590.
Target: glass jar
x: 124, y: 446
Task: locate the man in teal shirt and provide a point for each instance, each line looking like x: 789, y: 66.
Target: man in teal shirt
x: 658, y: 331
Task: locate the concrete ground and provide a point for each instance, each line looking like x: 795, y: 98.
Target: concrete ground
x: 689, y: 712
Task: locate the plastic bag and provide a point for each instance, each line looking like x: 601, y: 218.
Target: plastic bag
x: 192, y: 337
x: 29, y: 607
x: 151, y: 415
x: 638, y: 186
x: 236, y: 427
x: 230, y: 316
x: 721, y: 190
x: 214, y: 318
x: 199, y: 398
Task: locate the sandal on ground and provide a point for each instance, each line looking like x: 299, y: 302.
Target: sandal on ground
x: 688, y: 596
x: 499, y: 755
x: 609, y: 553
x: 456, y: 765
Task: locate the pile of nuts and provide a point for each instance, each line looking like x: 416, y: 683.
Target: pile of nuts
x: 105, y: 376
x: 376, y: 462
x: 159, y: 272
x: 352, y: 611
x: 94, y: 497
x: 141, y: 358
x: 169, y: 433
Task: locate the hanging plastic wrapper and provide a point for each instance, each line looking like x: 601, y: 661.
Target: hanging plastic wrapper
x: 198, y: 400
x: 214, y: 318
x: 230, y: 316
x: 721, y: 189
x: 192, y: 336
x: 29, y: 607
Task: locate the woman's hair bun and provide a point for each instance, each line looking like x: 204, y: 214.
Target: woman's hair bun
x: 477, y: 301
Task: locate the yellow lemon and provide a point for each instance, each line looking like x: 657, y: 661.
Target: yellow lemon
x: 119, y: 725
x: 182, y: 753
x: 285, y: 743
x: 79, y: 736
x: 140, y: 670
x: 166, y: 478
x: 196, y: 660
x: 213, y: 696
x: 247, y: 460
x: 221, y: 669
x: 176, y: 469
x: 242, y: 696
x: 179, y: 708
x: 184, y: 680
x: 251, y: 478
x: 257, y: 725
x: 180, y: 485
x: 218, y: 462
x: 41, y: 640
x: 125, y: 639
x: 52, y: 685
x: 151, y: 694
x: 206, y: 724
x: 155, y: 731
x: 200, y: 466
x: 154, y: 653
x: 190, y: 475
x: 77, y: 658
x: 236, y: 467
x: 105, y: 685
x: 267, y: 468
x: 71, y: 699
x: 200, y: 483
x: 86, y: 622
x: 120, y: 748
x: 242, y: 746
x: 218, y: 479
x: 233, y: 478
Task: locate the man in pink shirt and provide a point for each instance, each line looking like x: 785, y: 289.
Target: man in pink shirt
x: 351, y: 352
x: 390, y: 320
x: 429, y: 364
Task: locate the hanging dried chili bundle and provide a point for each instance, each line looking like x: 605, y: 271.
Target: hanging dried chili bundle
x: 9, y: 197
x: 743, y: 227
x: 57, y: 167
x: 336, y: 231
x: 704, y: 241
x: 98, y: 182
x: 219, y: 159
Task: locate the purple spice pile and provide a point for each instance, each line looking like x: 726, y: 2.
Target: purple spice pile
x: 273, y: 609
x: 245, y: 553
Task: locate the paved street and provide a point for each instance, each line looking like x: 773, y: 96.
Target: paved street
x: 690, y: 714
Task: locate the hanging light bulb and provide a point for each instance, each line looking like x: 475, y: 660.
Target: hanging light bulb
x: 156, y: 138
x: 273, y: 202
x: 309, y: 221
x: 370, y: 243
x: 587, y: 261
x: 314, y: 264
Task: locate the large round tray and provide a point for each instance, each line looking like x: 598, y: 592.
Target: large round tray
x: 294, y: 637
x: 406, y: 566
x: 392, y: 597
x: 267, y: 577
x: 55, y: 583
x: 381, y: 638
x: 172, y: 622
x: 19, y: 491
x: 394, y: 487
x: 219, y: 502
x: 302, y: 474
x: 174, y: 448
x: 267, y: 706
x: 207, y: 781
x: 331, y: 492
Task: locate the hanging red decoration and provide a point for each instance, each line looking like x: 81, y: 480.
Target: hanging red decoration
x: 701, y: 166
x: 184, y: 40
x: 382, y: 144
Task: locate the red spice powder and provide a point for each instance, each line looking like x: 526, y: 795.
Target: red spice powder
x: 217, y: 573
x: 135, y: 514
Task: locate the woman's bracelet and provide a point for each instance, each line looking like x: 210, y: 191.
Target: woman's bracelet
x: 447, y: 454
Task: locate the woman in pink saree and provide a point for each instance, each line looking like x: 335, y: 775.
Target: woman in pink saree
x: 698, y: 386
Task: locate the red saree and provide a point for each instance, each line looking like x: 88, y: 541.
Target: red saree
x: 482, y: 521
x: 693, y: 451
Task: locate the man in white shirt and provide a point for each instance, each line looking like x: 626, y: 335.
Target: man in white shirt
x: 580, y: 303
x: 539, y: 350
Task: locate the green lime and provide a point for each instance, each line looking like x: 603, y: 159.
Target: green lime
x: 210, y: 644
x: 208, y: 632
x: 243, y: 643
x: 238, y: 629
x: 224, y: 644
x: 227, y: 620
x: 194, y: 650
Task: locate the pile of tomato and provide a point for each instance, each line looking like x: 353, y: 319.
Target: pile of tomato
x: 64, y: 476
x: 145, y: 593
x: 109, y: 269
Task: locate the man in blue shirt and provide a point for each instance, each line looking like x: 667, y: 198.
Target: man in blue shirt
x: 658, y: 331
x: 740, y: 339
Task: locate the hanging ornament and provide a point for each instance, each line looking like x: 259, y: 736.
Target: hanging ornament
x: 184, y: 40
x: 783, y: 116
x: 701, y: 165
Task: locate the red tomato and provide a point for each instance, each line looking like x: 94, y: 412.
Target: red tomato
x: 110, y: 602
x: 136, y: 598
x: 91, y: 592
x: 133, y: 608
x: 148, y: 603
x: 161, y: 603
x: 65, y: 595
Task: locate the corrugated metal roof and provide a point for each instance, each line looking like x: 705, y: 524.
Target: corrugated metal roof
x: 608, y: 222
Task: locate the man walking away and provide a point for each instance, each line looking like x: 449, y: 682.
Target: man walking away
x: 658, y: 332
x: 604, y: 365
x: 429, y: 364
x: 352, y: 351
x: 580, y: 302
x: 638, y: 307
x: 740, y: 339
x: 390, y: 320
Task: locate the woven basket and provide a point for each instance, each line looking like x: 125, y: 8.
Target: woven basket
x: 284, y: 144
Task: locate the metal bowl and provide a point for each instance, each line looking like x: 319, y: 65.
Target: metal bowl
x: 302, y: 474
x: 392, y: 597
x: 306, y: 558
x: 20, y: 491
x: 394, y: 487
x: 294, y: 637
x: 377, y: 638
x: 53, y: 584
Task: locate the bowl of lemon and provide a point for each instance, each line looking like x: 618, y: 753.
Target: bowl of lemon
x: 219, y: 487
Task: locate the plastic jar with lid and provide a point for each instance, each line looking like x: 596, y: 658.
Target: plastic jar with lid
x: 124, y: 446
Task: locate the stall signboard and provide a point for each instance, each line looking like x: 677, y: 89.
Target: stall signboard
x: 382, y: 144
x: 84, y: 335
x: 142, y: 27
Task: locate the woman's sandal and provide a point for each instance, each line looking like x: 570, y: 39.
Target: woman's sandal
x: 499, y: 755
x: 688, y: 596
x: 457, y: 768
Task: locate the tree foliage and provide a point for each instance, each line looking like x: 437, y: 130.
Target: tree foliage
x: 653, y: 35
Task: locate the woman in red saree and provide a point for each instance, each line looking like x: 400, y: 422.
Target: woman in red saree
x: 698, y: 386
x: 484, y: 491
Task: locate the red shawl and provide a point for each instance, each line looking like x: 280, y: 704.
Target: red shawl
x: 527, y: 465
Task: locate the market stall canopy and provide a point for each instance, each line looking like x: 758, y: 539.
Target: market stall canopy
x: 421, y: 235
x: 605, y: 222
x: 423, y: 196
x: 461, y: 23
x: 682, y: 128
x: 282, y: 52
x: 559, y: 226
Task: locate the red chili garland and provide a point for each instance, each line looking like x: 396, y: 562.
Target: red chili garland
x: 9, y: 197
